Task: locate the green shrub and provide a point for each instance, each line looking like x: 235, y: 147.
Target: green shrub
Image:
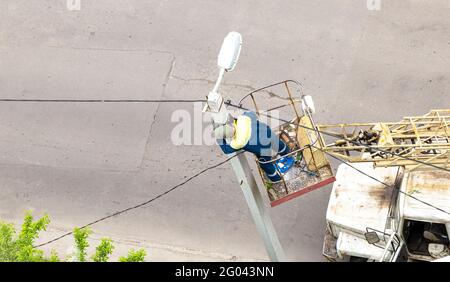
x: 20, y: 247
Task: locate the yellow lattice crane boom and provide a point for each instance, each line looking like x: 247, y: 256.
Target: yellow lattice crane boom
x: 415, y: 142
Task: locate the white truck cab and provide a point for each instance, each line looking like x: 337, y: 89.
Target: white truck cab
x: 368, y: 221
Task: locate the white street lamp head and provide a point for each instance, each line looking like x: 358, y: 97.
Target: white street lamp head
x: 228, y: 55
x: 230, y: 50
x: 227, y: 59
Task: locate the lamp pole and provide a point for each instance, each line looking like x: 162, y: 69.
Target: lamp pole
x: 257, y: 207
x: 227, y: 59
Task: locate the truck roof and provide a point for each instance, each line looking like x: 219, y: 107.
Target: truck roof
x: 357, y: 201
x: 430, y: 186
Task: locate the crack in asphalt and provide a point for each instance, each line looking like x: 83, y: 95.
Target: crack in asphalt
x: 209, y: 81
x: 212, y: 82
x: 165, y: 84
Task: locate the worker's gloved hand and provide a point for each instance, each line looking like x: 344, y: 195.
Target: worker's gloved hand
x: 225, y: 131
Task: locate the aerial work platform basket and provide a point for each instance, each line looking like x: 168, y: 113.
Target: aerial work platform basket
x: 312, y: 169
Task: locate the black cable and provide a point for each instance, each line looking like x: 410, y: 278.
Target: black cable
x: 104, y: 100
x: 277, y: 107
x: 348, y: 140
x: 143, y: 203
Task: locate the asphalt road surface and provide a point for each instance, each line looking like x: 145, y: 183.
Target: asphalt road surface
x: 81, y: 161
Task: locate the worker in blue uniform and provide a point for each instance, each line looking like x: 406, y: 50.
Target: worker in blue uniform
x: 249, y: 134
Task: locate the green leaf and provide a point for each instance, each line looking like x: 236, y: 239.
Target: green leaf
x: 81, y: 243
x: 103, y: 250
x: 8, y: 246
x: 29, y: 232
x: 53, y: 257
x: 134, y: 256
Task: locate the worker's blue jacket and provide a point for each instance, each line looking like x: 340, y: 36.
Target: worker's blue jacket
x: 256, y: 137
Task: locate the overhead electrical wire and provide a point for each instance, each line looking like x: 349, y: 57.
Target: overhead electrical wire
x: 116, y: 213
x: 104, y: 100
